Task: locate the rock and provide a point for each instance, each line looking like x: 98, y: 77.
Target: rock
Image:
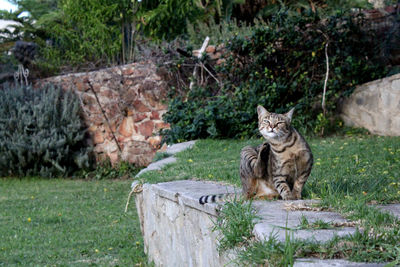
x: 140, y: 107
x: 126, y: 128
x: 146, y: 128
x: 375, y: 106
x: 98, y: 138
x: 154, y: 141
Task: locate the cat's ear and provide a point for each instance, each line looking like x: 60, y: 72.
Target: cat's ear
x: 261, y: 111
x: 289, y: 114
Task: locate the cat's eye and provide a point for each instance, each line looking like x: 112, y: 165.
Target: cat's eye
x: 266, y: 121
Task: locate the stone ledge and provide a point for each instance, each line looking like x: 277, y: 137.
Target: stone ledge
x: 171, y: 150
x: 278, y: 222
x: 177, y: 230
x: 187, y: 193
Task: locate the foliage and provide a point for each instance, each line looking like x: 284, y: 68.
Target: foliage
x: 104, y: 170
x: 88, y: 31
x: 75, y: 33
x: 41, y: 132
x: 235, y: 223
x: 168, y: 19
x: 280, y: 65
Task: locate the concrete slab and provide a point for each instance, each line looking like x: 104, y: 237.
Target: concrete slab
x: 175, y: 148
x: 277, y: 221
x: 187, y: 193
x: 158, y: 165
x: 391, y: 208
x: 333, y: 263
x: 171, y: 150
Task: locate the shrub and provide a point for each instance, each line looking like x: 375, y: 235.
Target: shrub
x: 41, y: 132
x: 280, y: 65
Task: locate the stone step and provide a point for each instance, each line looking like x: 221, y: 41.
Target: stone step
x: 278, y: 219
x: 170, y: 213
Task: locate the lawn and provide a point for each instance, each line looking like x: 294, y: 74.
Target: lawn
x: 63, y: 222
x: 70, y: 222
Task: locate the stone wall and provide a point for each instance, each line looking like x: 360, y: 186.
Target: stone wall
x: 177, y: 230
x: 375, y: 106
x: 123, y: 108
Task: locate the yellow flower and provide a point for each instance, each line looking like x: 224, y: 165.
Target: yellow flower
x: 32, y: 197
x: 385, y: 172
x: 29, y: 219
x: 318, y: 163
x: 96, y: 250
x: 137, y: 243
x: 110, y: 248
x: 105, y: 189
x: 190, y: 160
x: 313, y: 53
x: 364, y: 193
x: 210, y: 176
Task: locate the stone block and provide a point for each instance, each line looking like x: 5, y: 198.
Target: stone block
x: 140, y: 106
x: 126, y: 128
x: 155, y: 115
x: 98, y: 137
x: 139, y: 116
x: 374, y: 106
x: 146, y: 128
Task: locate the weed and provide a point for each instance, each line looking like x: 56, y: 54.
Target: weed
x: 235, y: 223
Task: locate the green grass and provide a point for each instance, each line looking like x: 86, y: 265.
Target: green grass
x: 61, y: 222
x: 235, y: 224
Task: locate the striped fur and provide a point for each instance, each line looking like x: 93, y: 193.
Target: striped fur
x: 214, y: 198
x: 279, y: 167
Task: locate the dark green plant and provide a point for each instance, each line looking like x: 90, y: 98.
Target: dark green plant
x: 104, y: 170
x: 279, y: 66
x: 41, y: 132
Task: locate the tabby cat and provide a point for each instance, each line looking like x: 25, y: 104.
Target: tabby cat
x: 279, y: 167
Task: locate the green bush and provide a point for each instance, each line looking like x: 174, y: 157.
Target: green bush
x: 280, y: 65
x: 41, y: 132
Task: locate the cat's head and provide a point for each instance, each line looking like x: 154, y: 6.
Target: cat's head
x: 273, y: 126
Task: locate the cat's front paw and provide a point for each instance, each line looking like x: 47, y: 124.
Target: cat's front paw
x: 290, y: 197
x: 296, y: 195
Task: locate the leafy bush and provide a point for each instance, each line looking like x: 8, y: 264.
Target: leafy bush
x: 41, y: 132
x: 280, y: 65
x: 105, y: 170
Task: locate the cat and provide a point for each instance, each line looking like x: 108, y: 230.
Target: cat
x: 279, y: 167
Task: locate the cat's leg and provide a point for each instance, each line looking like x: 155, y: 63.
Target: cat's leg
x: 281, y: 185
x: 304, y: 164
x: 265, y: 190
x: 252, y: 167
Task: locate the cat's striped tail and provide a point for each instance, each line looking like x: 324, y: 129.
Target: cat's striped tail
x: 215, y: 198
